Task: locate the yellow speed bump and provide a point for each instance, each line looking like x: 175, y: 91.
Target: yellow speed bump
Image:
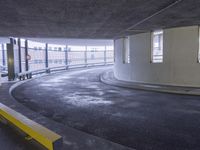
x: 44, y: 136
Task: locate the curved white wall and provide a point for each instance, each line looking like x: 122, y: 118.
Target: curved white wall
x: 179, y: 67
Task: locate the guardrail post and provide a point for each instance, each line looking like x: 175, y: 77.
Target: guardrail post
x: 105, y: 59
x: 86, y: 61
x: 3, y: 57
x: 66, y: 57
x: 26, y: 56
x: 19, y: 51
x: 46, y: 57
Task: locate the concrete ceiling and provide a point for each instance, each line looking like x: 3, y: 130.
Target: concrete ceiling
x: 93, y: 18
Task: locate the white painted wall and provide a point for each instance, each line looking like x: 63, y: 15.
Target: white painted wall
x: 180, y: 66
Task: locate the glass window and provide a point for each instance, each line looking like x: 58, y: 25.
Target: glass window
x: 157, y: 46
x: 126, y: 50
x: 199, y: 47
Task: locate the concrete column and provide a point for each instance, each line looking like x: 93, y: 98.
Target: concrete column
x: 66, y: 56
x: 105, y: 59
x: 19, y: 51
x: 179, y: 67
x: 26, y: 56
x: 3, y: 56
x: 86, y: 56
x: 13, y: 59
x: 46, y: 56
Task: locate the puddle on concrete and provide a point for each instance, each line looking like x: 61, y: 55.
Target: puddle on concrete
x: 93, y: 87
x: 100, y: 93
x: 84, y: 101
x: 45, y: 85
x: 52, y: 85
x: 58, y: 79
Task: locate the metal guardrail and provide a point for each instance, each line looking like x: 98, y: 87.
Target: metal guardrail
x: 3, y: 67
x: 28, y: 74
x: 3, y: 71
x: 45, y: 59
x: 54, y: 60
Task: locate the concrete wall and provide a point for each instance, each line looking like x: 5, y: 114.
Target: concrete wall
x: 180, y: 66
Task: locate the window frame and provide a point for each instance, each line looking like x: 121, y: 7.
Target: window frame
x: 198, y: 53
x: 153, y: 60
x: 126, y: 50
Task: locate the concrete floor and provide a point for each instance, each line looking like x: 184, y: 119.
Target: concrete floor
x: 72, y: 139
x: 139, y: 119
x: 12, y: 140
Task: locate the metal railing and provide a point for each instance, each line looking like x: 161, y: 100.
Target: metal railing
x: 63, y: 64
x: 3, y: 59
x: 47, y: 59
x: 58, y: 60
x: 35, y: 58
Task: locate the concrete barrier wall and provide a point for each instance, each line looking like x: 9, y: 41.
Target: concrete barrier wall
x: 179, y: 67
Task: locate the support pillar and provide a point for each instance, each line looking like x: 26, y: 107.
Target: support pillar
x: 13, y: 59
x: 46, y: 56
x: 86, y: 61
x: 26, y: 55
x: 66, y: 57
x: 19, y: 51
x: 105, y: 59
x: 3, y: 57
